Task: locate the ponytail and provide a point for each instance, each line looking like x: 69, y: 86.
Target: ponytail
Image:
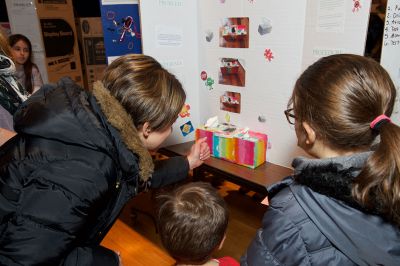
x: 348, y: 99
x: 377, y: 187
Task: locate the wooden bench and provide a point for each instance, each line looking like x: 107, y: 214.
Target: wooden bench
x: 254, y: 179
x: 134, y: 248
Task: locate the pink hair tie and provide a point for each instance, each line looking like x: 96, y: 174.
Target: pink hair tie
x: 379, y: 121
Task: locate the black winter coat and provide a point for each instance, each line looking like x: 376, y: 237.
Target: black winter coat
x: 77, y: 159
x: 315, y: 221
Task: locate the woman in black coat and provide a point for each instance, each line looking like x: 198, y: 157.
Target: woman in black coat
x: 79, y: 157
x: 343, y: 206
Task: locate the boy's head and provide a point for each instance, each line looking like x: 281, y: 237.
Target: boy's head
x: 192, y: 221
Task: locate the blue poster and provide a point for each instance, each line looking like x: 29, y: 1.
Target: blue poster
x: 121, y: 29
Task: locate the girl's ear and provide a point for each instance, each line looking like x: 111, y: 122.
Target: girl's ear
x: 310, y: 133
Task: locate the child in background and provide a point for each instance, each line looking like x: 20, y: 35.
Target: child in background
x: 192, y: 221
x: 27, y: 72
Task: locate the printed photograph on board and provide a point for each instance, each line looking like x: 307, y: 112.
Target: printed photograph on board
x: 232, y: 72
x: 230, y: 101
x: 234, y: 33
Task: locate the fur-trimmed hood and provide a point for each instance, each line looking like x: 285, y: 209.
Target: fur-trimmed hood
x: 312, y: 212
x: 123, y: 122
x: 332, y: 177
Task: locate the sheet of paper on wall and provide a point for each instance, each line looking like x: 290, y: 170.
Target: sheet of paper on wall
x: 391, y: 49
x: 331, y: 14
x: 168, y: 36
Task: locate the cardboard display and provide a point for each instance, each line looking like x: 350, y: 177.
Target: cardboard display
x: 90, y: 33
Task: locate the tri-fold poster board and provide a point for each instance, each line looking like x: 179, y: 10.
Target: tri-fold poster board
x: 239, y: 59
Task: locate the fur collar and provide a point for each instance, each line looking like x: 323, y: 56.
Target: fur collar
x: 332, y: 177
x: 123, y: 122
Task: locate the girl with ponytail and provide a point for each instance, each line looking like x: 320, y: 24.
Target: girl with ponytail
x: 343, y: 206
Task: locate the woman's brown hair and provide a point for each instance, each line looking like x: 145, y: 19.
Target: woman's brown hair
x: 339, y: 96
x: 147, y: 91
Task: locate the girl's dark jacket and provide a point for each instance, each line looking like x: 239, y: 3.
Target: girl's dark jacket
x: 77, y: 159
x: 313, y: 220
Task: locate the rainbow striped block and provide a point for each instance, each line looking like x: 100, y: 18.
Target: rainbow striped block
x: 245, y: 149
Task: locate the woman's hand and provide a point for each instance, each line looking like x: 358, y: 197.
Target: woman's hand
x: 199, y: 152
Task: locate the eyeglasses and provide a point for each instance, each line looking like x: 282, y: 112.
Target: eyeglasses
x: 290, y: 116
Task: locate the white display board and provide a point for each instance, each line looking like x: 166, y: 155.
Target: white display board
x: 171, y: 36
x: 239, y: 59
x: 390, y: 57
x: 335, y: 27
x: 267, y: 83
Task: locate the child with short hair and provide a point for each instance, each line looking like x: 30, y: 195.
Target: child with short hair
x: 192, y: 221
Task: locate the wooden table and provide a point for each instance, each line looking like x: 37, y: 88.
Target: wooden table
x: 254, y: 179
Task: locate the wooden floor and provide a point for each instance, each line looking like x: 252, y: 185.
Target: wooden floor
x: 133, y: 248
x: 245, y: 218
